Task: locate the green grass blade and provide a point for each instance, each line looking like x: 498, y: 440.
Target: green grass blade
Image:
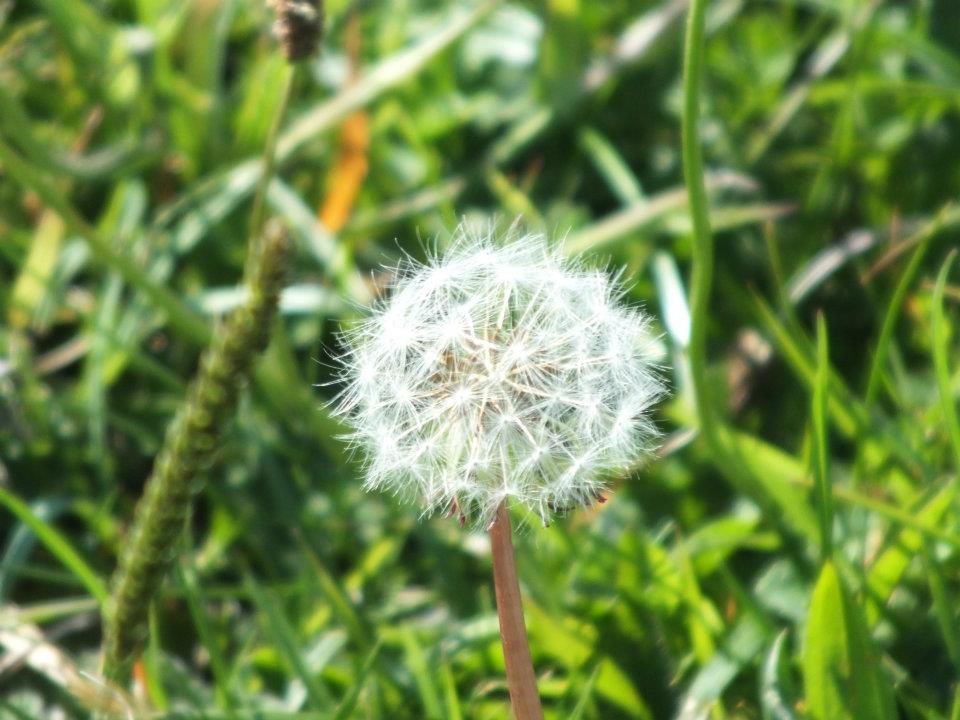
x: 796, y: 356
x: 416, y: 662
x: 774, y: 475
x: 774, y: 695
x: 199, y: 611
x: 586, y: 694
x: 336, y: 595
x: 621, y: 223
x: 286, y: 640
x: 21, y: 542
x: 841, y: 668
x: 896, y: 300
x: 178, y: 314
x: 939, y: 339
x: 385, y: 75
x: 610, y: 164
x: 217, y: 196
x: 451, y: 701
x: 57, y: 543
x: 896, y: 514
x: 821, y: 470
x: 944, y: 603
x: 349, y: 703
x: 886, y: 572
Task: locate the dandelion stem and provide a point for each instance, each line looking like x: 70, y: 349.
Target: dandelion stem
x: 513, y: 632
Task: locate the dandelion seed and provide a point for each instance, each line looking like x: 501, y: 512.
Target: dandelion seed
x: 499, y: 370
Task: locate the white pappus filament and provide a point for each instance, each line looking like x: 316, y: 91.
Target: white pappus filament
x: 499, y: 370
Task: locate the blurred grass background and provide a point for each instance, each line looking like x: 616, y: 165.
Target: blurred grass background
x: 129, y: 138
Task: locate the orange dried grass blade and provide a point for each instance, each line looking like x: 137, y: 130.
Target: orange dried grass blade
x: 348, y: 172
x: 350, y: 168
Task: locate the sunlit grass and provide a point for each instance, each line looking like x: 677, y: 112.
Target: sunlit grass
x: 780, y: 181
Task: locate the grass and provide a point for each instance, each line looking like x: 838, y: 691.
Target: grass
x: 789, y: 167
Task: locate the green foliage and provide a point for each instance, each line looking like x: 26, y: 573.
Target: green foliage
x: 794, y: 552
x: 841, y: 670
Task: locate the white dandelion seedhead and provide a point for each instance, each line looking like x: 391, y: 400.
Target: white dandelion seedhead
x: 499, y: 371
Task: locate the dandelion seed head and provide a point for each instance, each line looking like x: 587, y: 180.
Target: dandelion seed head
x: 499, y: 370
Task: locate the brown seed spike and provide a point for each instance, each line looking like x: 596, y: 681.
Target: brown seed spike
x: 298, y: 27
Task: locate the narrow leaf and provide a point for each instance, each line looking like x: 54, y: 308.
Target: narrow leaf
x: 841, y: 667
x: 821, y: 478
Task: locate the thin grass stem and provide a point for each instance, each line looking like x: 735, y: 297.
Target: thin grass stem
x: 269, y: 160
x: 702, y: 273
